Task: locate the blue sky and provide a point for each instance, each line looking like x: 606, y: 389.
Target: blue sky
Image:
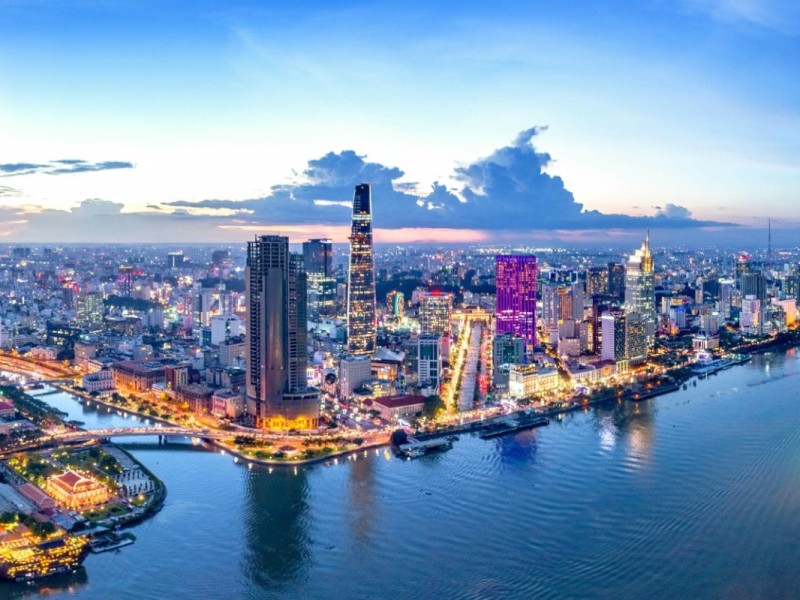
x: 205, y: 120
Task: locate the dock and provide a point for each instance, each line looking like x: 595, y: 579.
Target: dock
x: 415, y: 448
x: 506, y: 426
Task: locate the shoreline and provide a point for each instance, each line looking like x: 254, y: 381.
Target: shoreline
x: 628, y: 395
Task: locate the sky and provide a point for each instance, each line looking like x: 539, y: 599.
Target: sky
x: 195, y: 121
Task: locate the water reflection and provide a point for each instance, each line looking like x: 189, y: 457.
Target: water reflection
x: 68, y: 583
x: 277, y: 527
x: 361, y: 505
x: 631, y: 423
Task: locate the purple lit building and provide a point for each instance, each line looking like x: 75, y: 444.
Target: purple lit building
x: 516, y: 296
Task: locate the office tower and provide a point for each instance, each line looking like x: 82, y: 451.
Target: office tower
x: 597, y: 281
x: 616, y: 280
x: 125, y: 280
x: 361, y: 277
x: 429, y: 361
x: 318, y: 258
x: 640, y: 292
x: 507, y: 349
x: 635, y: 338
x: 202, y: 304
x: 613, y: 329
x: 278, y: 396
x: 89, y: 308
x: 396, y: 303
x: 516, y: 296
x: 175, y: 260
x: 742, y: 267
x: 561, y: 303
x: 435, y: 309
x: 753, y: 283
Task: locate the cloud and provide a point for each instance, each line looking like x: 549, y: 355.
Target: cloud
x: 508, y: 190
x: 779, y: 15
x: 673, y: 211
x: 61, y: 167
x: 9, y: 192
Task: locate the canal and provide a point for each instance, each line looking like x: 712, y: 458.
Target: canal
x: 695, y: 494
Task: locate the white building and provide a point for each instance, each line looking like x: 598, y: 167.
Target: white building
x: 429, y: 365
x: 224, y: 327
x: 354, y: 371
x: 526, y: 381
x: 99, y: 381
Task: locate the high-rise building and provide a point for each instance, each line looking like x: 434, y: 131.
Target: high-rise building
x: 89, y: 308
x: 597, y: 281
x: 396, y: 303
x: 613, y: 328
x: 635, y: 338
x: 616, y: 280
x: 278, y: 396
x: 435, y: 309
x: 640, y: 291
x: 361, y: 325
x: 753, y: 283
x: 429, y: 365
x: 516, y: 296
x: 318, y: 258
x: 561, y: 303
x: 507, y: 349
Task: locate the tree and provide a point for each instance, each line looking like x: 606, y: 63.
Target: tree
x: 433, y: 406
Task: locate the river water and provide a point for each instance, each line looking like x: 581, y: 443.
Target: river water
x: 695, y: 494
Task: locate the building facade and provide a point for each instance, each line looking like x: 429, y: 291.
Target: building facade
x: 516, y: 296
x: 278, y: 396
x: 361, y: 324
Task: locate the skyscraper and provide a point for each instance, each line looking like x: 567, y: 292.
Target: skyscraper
x: 318, y: 258
x: 278, y: 396
x: 516, y: 296
x: 435, y: 309
x: 640, y: 291
x: 616, y: 280
x: 90, y: 307
x: 361, y: 277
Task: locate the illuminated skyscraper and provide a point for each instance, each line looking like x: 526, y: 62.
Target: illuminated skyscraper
x: 278, y: 395
x: 90, y: 311
x: 361, y: 277
x: 640, y: 291
x: 516, y: 296
x: 435, y: 309
x: 318, y: 258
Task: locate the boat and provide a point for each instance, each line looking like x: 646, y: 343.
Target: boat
x: 505, y: 427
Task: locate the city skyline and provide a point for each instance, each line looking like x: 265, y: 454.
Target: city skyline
x: 176, y: 130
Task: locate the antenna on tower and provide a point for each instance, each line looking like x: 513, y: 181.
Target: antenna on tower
x: 769, y: 242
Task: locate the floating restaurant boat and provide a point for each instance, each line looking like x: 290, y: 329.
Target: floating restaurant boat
x: 511, y: 426
x: 416, y: 448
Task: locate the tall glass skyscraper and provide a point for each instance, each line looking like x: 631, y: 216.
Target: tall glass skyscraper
x: 516, y: 296
x: 361, y: 277
x: 318, y: 259
x: 278, y: 396
x: 640, y: 288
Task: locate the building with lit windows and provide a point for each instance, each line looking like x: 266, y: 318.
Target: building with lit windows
x: 89, y: 311
x: 429, y: 361
x: 318, y: 259
x: 435, y: 309
x: 361, y: 325
x: 516, y: 296
x: 396, y: 303
x: 526, y: 381
x: 75, y: 491
x: 640, y: 290
x: 278, y: 395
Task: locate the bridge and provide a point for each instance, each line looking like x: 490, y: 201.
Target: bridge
x: 85, y: 435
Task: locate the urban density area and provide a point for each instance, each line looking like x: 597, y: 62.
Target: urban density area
x: 284, y: 356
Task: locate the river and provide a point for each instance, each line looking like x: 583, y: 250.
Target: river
x: 695, y: 494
